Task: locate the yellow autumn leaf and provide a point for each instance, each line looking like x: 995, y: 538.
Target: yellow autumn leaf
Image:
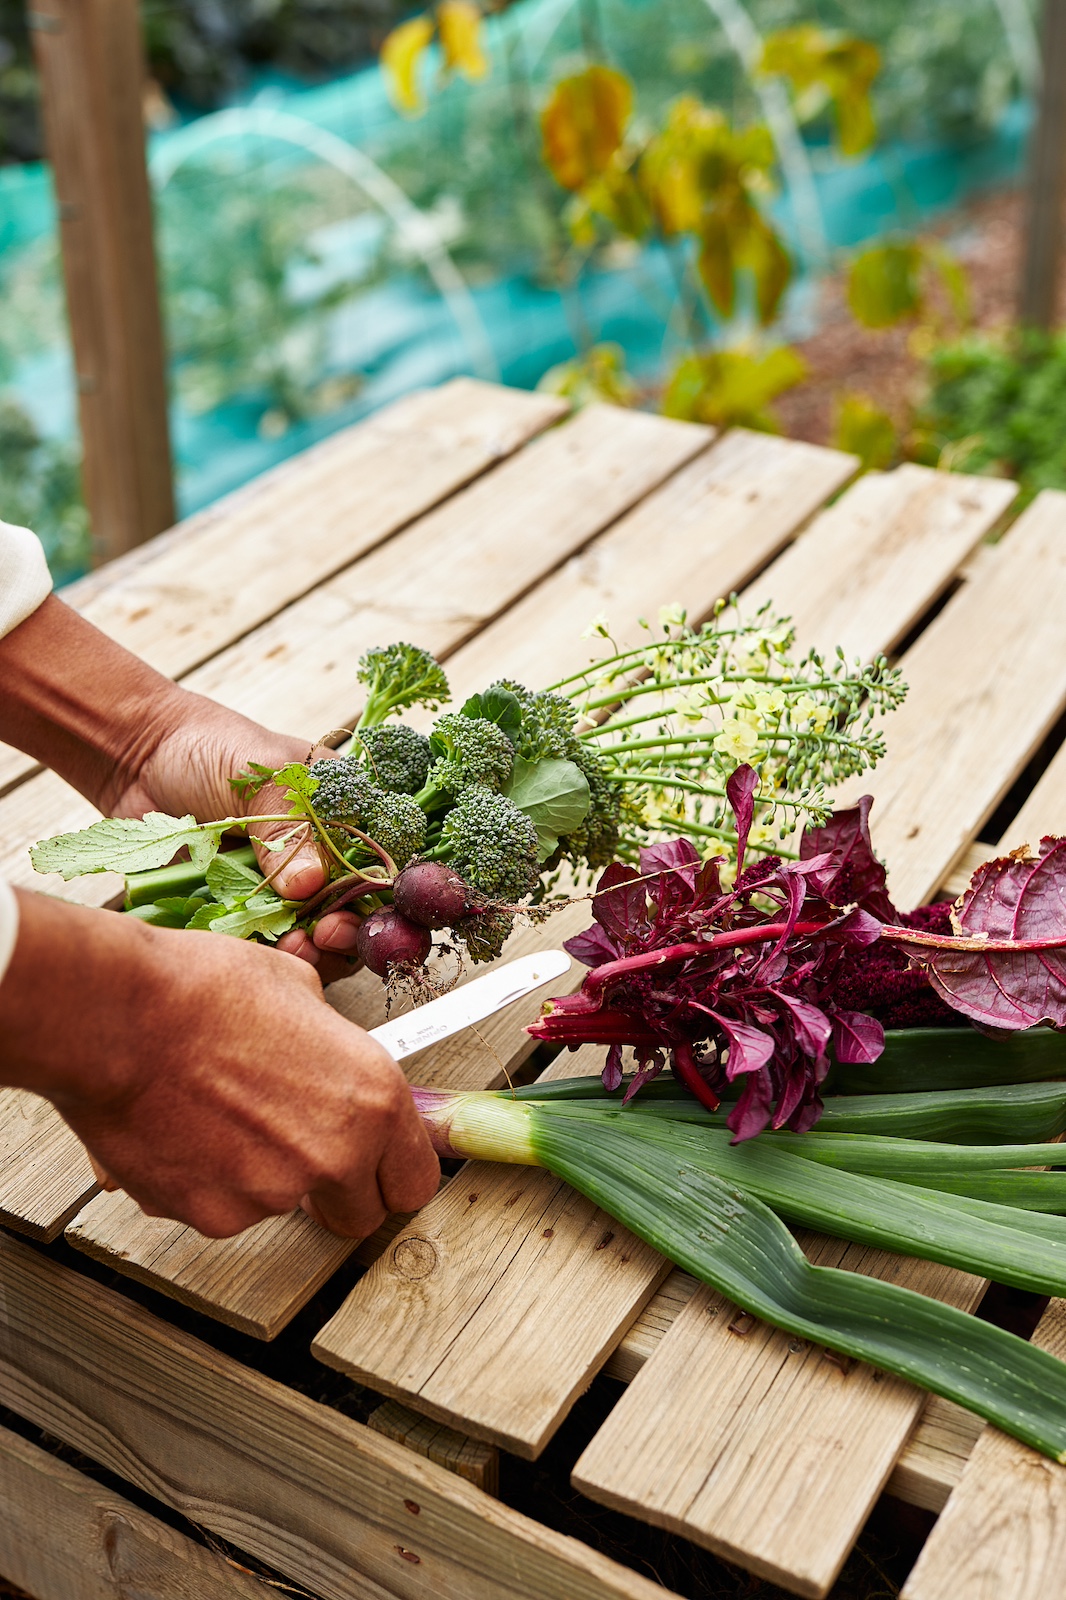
x: 401, y: 56
x: 584, y: 123
x: 732, y: 388
x: 822, y: 64
x: 459, y: 29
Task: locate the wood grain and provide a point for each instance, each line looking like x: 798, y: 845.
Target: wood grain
x: 455, y: 570
x: 45, y: 1175
x: 64, y: 1537
x: 872, y: 563
x: 195, y: 590
x: 258, y: 1281
x: 987, y: 682
x: 92, y: 69
x: 930, y: 1463
x: 705, y: 1458
x: 1044, y: 812
x: 468, y: 1458
x: 326, y: 1501
x: 708, y: 529
x: 1002, y: 1535
x: 498, y: 1302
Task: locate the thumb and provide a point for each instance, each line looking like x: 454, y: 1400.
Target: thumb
x: 301, y: 867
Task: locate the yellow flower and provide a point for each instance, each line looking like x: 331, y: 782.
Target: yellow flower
x: 672, y: 616
x: 737, y: 739
x: 598, y: 628
x: 769, y: 702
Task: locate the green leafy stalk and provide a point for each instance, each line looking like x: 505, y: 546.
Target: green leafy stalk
x: 715, y: 1228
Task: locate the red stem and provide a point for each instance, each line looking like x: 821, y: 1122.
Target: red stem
x: 611, y: 971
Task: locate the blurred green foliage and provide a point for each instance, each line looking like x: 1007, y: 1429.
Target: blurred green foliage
x: 40, y: 488
x: 997, y: 406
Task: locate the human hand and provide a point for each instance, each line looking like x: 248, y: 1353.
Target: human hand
x: 199, y: 746
x: 210, y: 1080
x: 132, y: 741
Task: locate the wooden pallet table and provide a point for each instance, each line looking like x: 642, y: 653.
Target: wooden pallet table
x: 489, y: 526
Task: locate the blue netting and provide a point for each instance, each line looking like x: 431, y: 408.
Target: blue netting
x: 322, y: 254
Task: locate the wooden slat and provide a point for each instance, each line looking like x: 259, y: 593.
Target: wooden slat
x: 45, y: 1176
x: 193, y: 591
x: 64, y: 1537
x: 1002, y: 1535
x: 498, y: 1302
x: 1044, y: 812
x: 258, y: 1281
x: 468, y: 1458
x: 703, y: 534
x: 440, y: 582
x: 410, y: 1340
x: 876, y: 560
x: 987, y: 682
x: 707, y: 1459
x: 324, y: 1500
x: 933, y: 1458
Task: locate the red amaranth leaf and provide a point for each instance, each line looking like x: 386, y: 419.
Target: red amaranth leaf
x: 855, y: 875
x: 740, y: 792
x: 1019, y: 898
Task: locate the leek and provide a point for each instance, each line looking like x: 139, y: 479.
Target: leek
x: 656, y: 1178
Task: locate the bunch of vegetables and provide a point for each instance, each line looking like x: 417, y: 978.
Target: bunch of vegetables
x: 743, y: 986
x: 462, y: 829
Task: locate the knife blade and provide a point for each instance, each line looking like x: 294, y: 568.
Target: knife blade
x: 471, y: 1003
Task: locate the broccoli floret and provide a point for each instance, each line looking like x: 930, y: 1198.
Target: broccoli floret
x: 347, y: 793
x: 547, y: 730
x: 398, y: 824
x: 398, y: 756
x: 485, y: 935
x: 491, y: 844
x: 345, y: 790
x: 398, y: 676
x: 469, y: 750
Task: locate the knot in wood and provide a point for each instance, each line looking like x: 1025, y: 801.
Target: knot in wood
x: 414, y: 1258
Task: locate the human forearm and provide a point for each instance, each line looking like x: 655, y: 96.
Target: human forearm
x: 80, y: 703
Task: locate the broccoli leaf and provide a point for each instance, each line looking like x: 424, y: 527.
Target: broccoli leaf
x: 299, y: 787
x: 251, y: 779
x: 230, y: 881
x: 554, y: 795
x: 264, y: 914
x: 174, y: 911
x: 122, y: 844
x: 496, y: 705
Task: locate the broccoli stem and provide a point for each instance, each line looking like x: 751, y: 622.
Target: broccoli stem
x: 161, y: 883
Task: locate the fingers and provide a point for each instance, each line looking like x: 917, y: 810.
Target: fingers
x: 327, y: 966
x: 305, y: 870
x: 355, y: 1209
x: 337, y: 932
x: 408, y: 1173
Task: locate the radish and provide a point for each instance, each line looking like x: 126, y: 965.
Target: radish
x: 432, y: 895
x: 386, y: 940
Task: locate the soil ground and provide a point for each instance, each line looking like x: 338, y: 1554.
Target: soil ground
x: 986, y: 237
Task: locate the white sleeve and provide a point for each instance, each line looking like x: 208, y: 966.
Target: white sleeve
x: 24, y: 582
x: 24, y: 577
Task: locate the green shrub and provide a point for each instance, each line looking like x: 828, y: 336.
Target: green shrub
x: 998, y: 406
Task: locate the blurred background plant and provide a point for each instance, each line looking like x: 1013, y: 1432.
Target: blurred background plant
x: 643, y: 202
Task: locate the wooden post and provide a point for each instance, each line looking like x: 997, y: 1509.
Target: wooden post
x: 1047, y: 180
x: 91, y: 61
